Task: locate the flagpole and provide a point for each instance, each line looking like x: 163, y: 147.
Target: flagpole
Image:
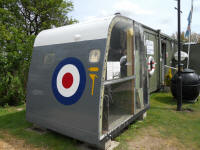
x: 188, y: 61
x: 189, y: 46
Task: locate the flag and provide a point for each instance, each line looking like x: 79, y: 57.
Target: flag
x: 188, y: 31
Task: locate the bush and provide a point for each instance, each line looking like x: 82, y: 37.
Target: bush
x: 15, y: 56
x: 20, y: 22
x: 11, y: 90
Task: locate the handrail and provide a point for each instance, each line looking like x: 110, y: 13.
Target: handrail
x: 170, y: 67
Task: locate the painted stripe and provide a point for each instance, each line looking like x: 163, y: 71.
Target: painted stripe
x: 93, y: 69
x: 151, y: 63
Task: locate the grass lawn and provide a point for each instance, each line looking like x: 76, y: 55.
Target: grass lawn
x: 163, y: 123
x: 13, y: 126
x: 181, y: 129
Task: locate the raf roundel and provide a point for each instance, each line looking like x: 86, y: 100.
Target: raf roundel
x: 68, y: 81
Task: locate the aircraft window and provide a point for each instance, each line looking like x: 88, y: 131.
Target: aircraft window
x: 120, y: 62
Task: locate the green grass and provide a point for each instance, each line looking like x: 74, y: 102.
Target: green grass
x: 184, y: 126
x: 13, y: 122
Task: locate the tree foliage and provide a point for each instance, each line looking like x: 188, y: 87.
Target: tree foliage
x: 20, y: 22
x: 34, y: 16
x: 43, y: 14
x: 195, y: 37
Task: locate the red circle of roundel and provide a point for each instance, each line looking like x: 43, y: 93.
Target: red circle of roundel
x: 67, y: 80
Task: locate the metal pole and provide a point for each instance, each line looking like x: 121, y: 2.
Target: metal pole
x: 188, y: 61
x: 179, y: 81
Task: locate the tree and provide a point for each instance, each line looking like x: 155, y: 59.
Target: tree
x: 20, y: 22
x: 14, y: 61
x: 195, y: 37
x: 36, y: 15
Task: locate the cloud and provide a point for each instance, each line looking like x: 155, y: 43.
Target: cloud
x: 196, y: 28
x: 126, y: 8
x: 196, y: 6
x: 129, y: 8
x: 105, y: 13
x: 88, y: 18
x: 148, y: 14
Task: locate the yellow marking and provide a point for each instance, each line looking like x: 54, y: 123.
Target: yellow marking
x: 93, y: 69
x: 93, y: 76
x: 130, y: 32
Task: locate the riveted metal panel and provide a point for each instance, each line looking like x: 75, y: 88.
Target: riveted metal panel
x: 79, y: 120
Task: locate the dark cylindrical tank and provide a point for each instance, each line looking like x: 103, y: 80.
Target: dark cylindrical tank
x: 190, y: 85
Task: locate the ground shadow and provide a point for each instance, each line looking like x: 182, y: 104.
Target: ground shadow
x: 165, y: 98
x: 162, y: 108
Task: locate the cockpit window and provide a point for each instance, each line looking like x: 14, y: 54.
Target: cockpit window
x: 120, y: 62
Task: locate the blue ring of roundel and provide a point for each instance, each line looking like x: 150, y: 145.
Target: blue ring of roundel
x: 77, y: 95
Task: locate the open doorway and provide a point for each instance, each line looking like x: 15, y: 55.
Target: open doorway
x: 164, y: 61
x: 118, y: 105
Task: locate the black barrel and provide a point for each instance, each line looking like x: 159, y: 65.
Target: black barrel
x: 190, y: 85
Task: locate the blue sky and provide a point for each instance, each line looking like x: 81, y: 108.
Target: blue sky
x: 158, y: 14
